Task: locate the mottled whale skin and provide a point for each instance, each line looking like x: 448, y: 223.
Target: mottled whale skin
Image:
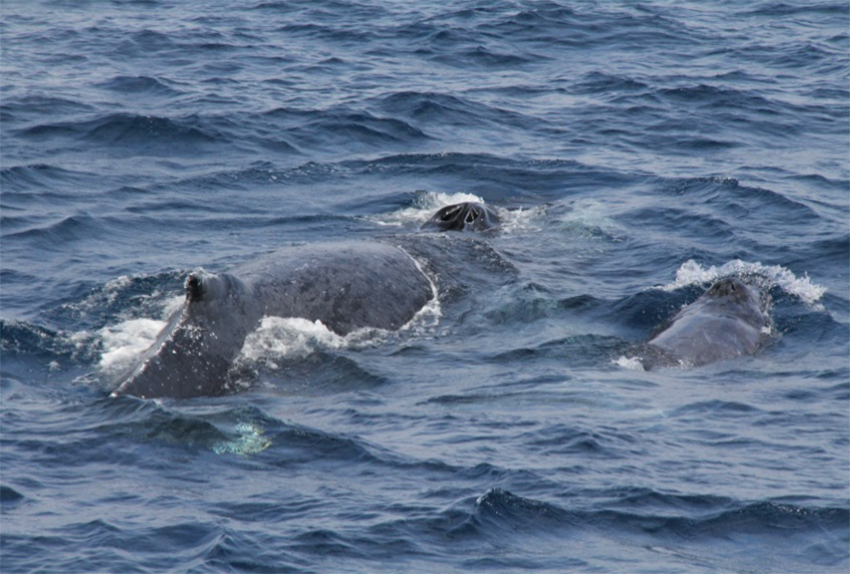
x: 466, y: 216
x: 729, y: 320
x: 346, y: 286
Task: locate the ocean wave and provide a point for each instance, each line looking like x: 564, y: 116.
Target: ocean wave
x: 68, y: 229
x: 237, y: 430
x: 21, y: 337
x: 140, y: 133
x: 145, y: 85
x: 790, y: 9
x: 9, y: 496
x: 225, y: 430
x: 515, y: 182
x: 335, y: 127
x: 697, y: 519
x: 35, y: 106
x: 125, y: 296
x: 359, y: 127
x: 609, y: 86
x: 428, y: 108
x: 737, y: 198
x: 263, y: 172
x: 481, y: 57
x: 817, y: 57
x: 41, y: 177
x: 333, y: 33
x: 717, y: 97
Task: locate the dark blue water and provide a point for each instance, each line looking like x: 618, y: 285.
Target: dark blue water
x: 636, y: 151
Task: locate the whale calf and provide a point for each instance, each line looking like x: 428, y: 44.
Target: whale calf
x: 466, y: 216
x: 346, y: 286
x: 729, y: 320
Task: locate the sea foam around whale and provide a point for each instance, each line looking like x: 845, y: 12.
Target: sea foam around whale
x: 762, y: 276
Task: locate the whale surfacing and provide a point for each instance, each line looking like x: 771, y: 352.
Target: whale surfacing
x: 729, y: 320
x: 466, y: 216
x: 346, y: 286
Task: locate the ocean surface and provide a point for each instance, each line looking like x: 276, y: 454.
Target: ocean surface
x: 636, y: 151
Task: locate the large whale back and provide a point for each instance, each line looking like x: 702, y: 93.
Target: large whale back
x: 729, y: 320
x: 345, y: 286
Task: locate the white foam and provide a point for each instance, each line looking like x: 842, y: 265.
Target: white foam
x: 520, y: 220
x: 107, y: 295
x: 692, y: 273
x: 590, y: 217
x: 429, y: 315
x: 630, y: 363
x: 123, y: 343
x: 278, y: 339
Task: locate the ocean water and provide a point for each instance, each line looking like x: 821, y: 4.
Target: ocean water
x: 636, y: 151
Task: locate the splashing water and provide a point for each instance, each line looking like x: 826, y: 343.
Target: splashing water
x: 277, y: 339
x: 124, y: 342
x: 764, y: 276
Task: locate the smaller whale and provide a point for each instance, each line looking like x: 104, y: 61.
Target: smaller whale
x: 466, y: 216
x: 729, y: 320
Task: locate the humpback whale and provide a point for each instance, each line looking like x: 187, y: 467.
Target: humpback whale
x: 729, y: 320
x: 346, y: 286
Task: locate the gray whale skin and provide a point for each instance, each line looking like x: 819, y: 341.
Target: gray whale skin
x: 465, y: 216
x: 729, y: 320
x: 346, y: 286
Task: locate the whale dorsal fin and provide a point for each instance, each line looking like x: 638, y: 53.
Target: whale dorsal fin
x: 194, y: 287
x: 202, y: 286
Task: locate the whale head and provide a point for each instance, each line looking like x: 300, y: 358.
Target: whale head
x: 730, y: 288
x: 732, y: 294
x: 466, y: 216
